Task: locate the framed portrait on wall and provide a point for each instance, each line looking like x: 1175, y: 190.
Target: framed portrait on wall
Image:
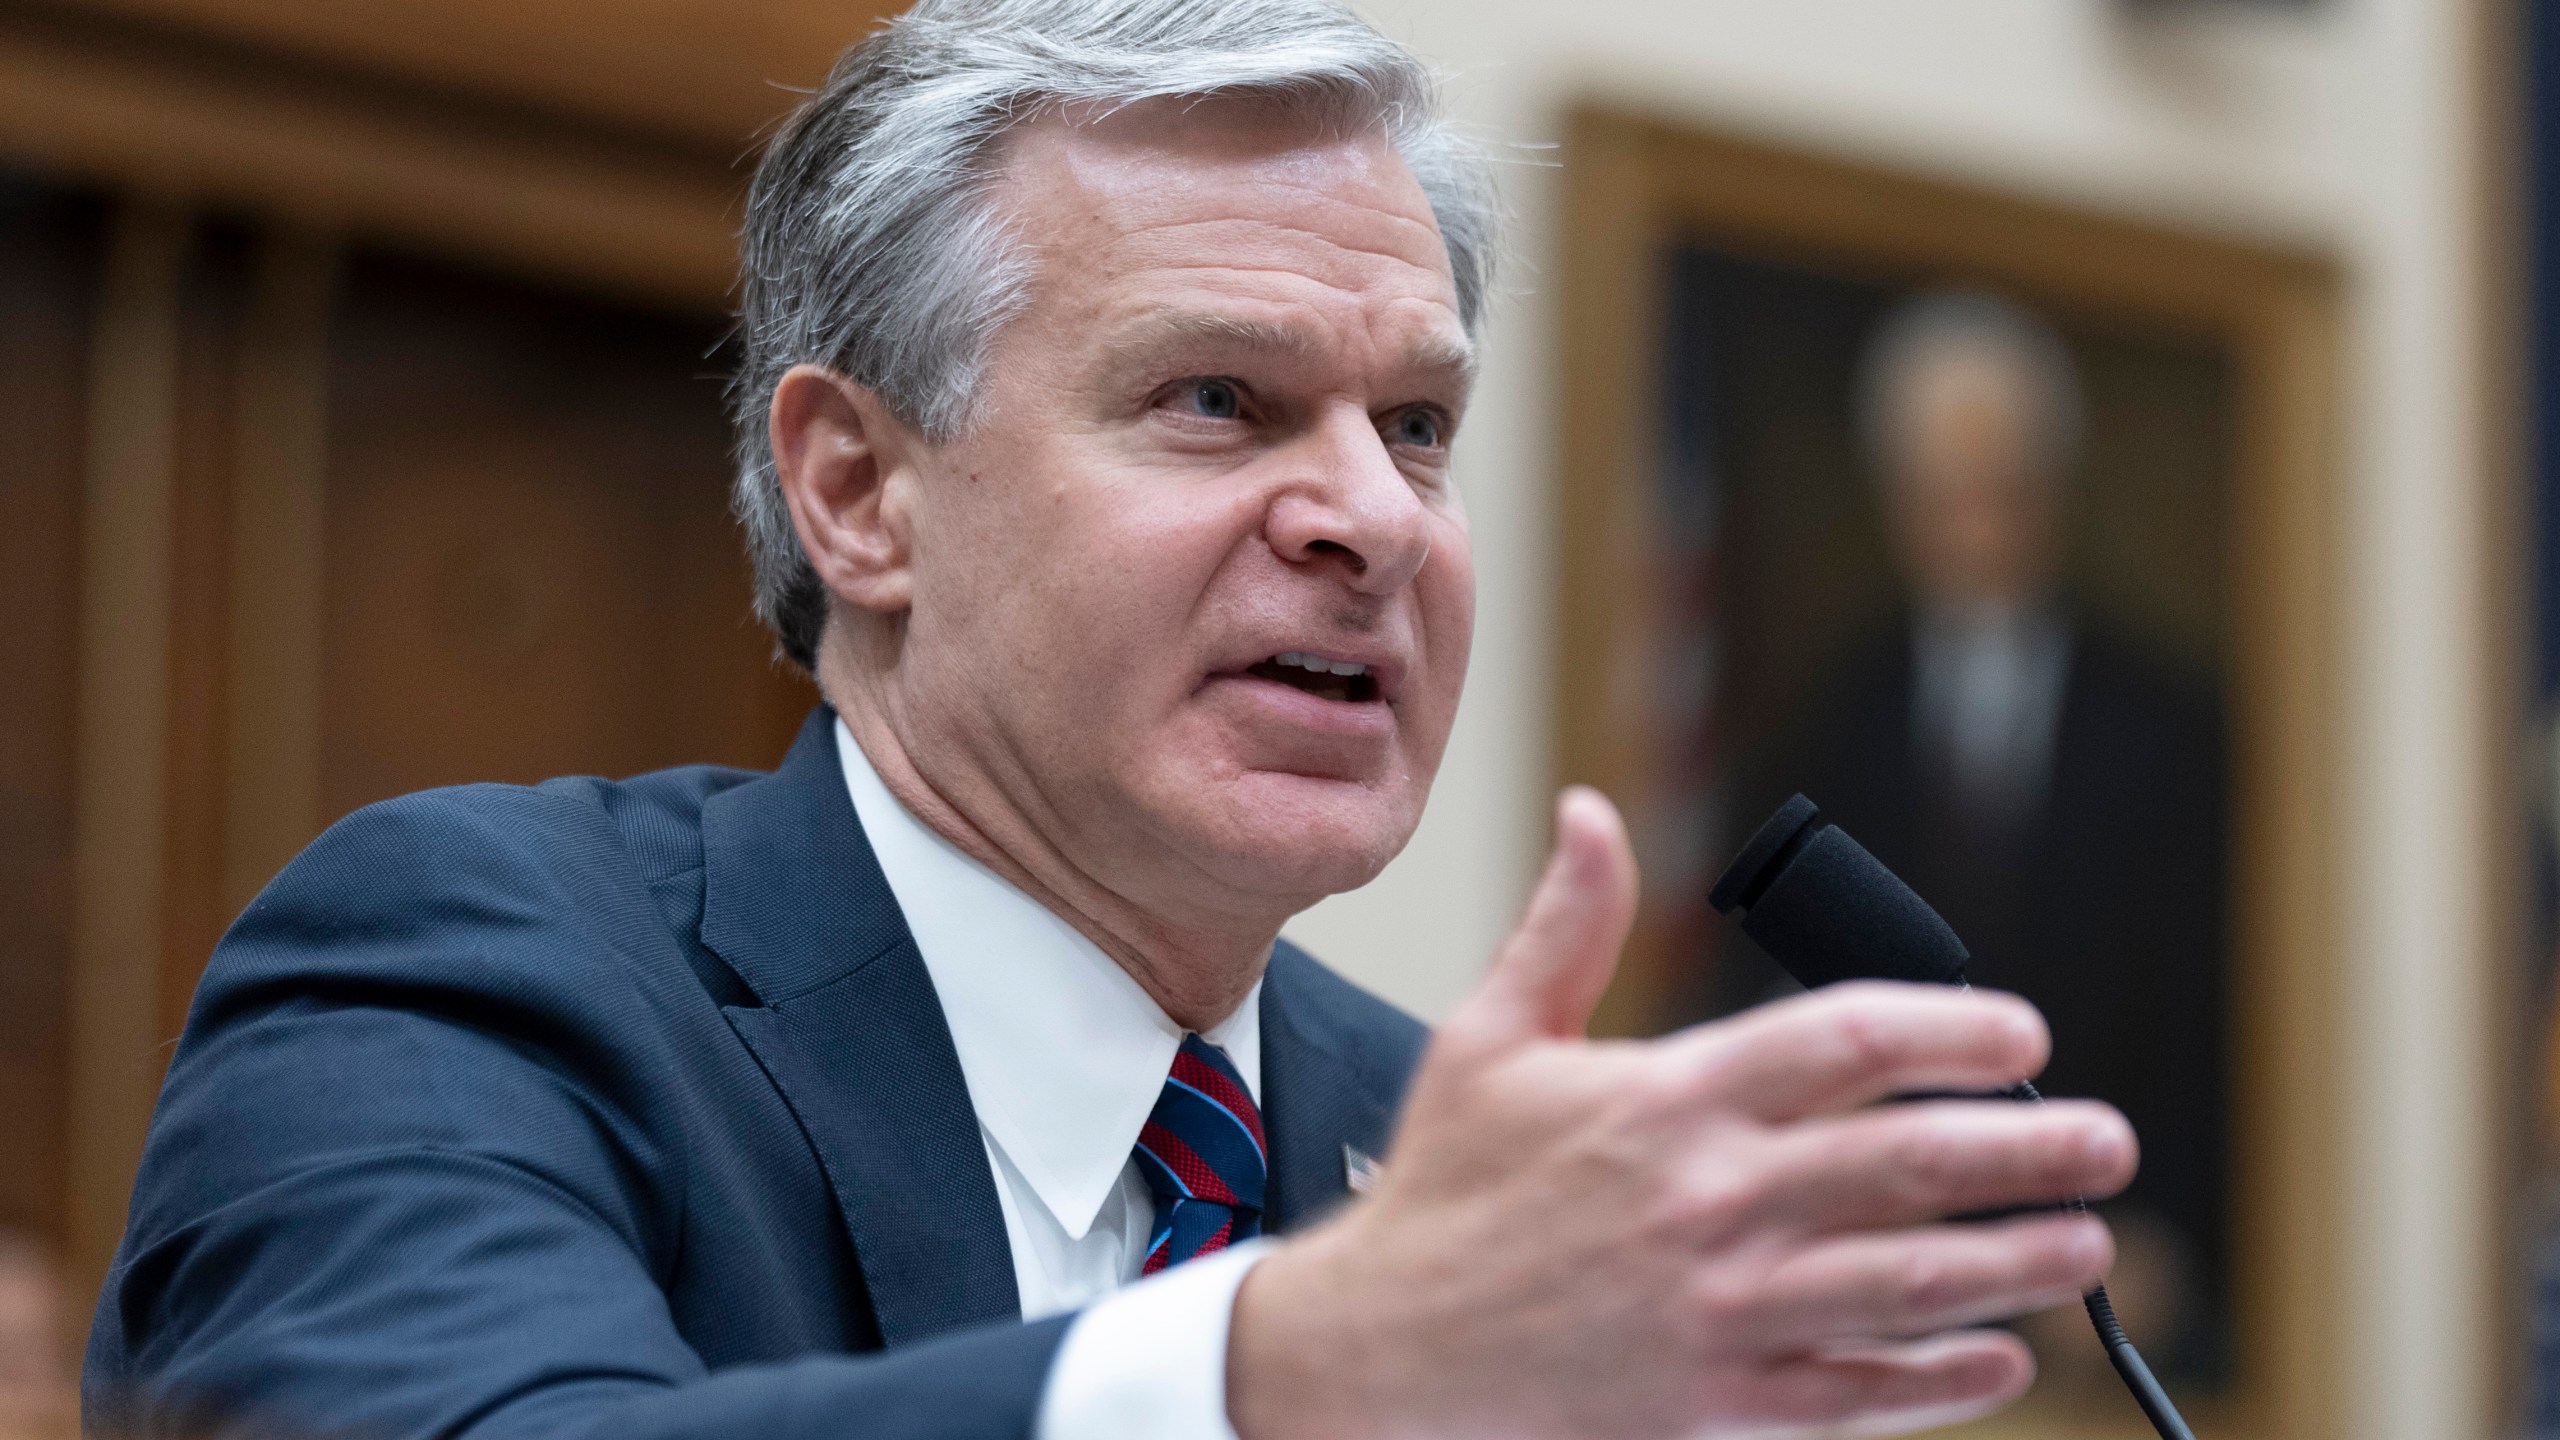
x: 2000, y: 530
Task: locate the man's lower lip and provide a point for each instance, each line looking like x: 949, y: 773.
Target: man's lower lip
x: 1315, y: 711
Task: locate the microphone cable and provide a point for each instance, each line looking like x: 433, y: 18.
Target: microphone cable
x: 2164, y: 1417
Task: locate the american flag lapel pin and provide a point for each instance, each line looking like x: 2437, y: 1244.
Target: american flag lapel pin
x: 1360, y: 1171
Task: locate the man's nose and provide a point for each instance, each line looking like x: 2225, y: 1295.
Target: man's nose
x: 1348, y: 506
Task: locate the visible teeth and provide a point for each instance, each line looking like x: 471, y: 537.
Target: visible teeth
x: 1318, y: 663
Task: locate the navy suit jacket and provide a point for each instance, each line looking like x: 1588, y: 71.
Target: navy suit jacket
x: 615, y: 1109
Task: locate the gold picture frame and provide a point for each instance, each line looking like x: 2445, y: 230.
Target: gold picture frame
x: 1635, y: 186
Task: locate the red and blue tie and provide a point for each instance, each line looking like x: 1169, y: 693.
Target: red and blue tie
x: 1203, y: 1157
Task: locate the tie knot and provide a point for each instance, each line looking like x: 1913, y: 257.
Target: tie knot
x: 1203, y: 1155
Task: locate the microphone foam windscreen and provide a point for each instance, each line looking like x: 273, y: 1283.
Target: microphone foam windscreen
x: 1828, y: 911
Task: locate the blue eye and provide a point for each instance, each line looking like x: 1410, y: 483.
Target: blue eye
x: 1214, y: 399
x: 1416, y: 427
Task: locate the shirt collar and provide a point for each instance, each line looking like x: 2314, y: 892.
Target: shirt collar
x: 1063, y: 1053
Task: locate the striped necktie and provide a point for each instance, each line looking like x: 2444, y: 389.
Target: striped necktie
x: 1203, y: 1157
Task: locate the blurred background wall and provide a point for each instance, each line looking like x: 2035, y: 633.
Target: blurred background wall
x: 359, y: 384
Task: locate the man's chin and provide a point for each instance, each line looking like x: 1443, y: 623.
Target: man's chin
x: 1298, y: 838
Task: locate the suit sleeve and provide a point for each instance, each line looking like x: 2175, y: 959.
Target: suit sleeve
x: 406, y: 1180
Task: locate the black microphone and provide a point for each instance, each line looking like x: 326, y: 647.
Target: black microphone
x: 1827, y: 911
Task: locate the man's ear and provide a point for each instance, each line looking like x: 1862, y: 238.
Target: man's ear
x: 840, y: 457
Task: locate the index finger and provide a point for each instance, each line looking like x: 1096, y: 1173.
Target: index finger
x: 1852, y: 1044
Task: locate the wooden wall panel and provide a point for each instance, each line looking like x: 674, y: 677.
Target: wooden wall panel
x: 705, y: 70
x: 193, y: 912
x: 271, y: 547
x: 279, y: 482
x: 243, y: 134
x: 48, y: 248
x: 120, y: 765
x: 530, y: 566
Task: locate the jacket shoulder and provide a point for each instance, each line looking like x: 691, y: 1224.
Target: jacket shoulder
x: 656, y: 818
x: 506, y: 862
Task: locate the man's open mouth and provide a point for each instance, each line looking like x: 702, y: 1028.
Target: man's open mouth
x: 1318, y: 676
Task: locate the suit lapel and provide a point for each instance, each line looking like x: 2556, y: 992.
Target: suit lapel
x: 852, y: 1033
x: 1314, y: 1100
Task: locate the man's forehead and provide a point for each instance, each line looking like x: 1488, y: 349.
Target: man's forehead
x: 1261, y: 240
x: 1971, y: 381
x: 1210, y: 181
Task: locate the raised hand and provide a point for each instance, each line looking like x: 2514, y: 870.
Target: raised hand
x: 1717, y: 1233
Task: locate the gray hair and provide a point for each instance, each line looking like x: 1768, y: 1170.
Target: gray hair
x: 1938, y: 323
x: 873, y: 246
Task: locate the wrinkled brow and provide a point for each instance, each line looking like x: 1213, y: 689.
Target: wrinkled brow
x: 1433, y: 355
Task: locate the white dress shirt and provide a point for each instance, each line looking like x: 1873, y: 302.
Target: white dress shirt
x: 1988, y: 699
x: 1064, y: 1055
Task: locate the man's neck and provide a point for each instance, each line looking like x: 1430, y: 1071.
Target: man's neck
x: 1197, y: 973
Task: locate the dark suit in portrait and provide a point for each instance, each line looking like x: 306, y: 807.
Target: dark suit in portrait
x: 621, y: 1109
x: 2099, y: 894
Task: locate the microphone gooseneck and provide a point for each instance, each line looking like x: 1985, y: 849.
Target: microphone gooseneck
x: 2164, y: 1417
x: 1827, y: 910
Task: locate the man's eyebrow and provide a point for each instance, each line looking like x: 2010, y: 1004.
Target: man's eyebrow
x: 1436, y: 353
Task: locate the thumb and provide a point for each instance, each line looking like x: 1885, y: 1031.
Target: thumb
x: 1549, y: 974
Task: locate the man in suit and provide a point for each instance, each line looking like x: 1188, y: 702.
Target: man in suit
x: 2053, y: 788
x: 1101, y: 368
